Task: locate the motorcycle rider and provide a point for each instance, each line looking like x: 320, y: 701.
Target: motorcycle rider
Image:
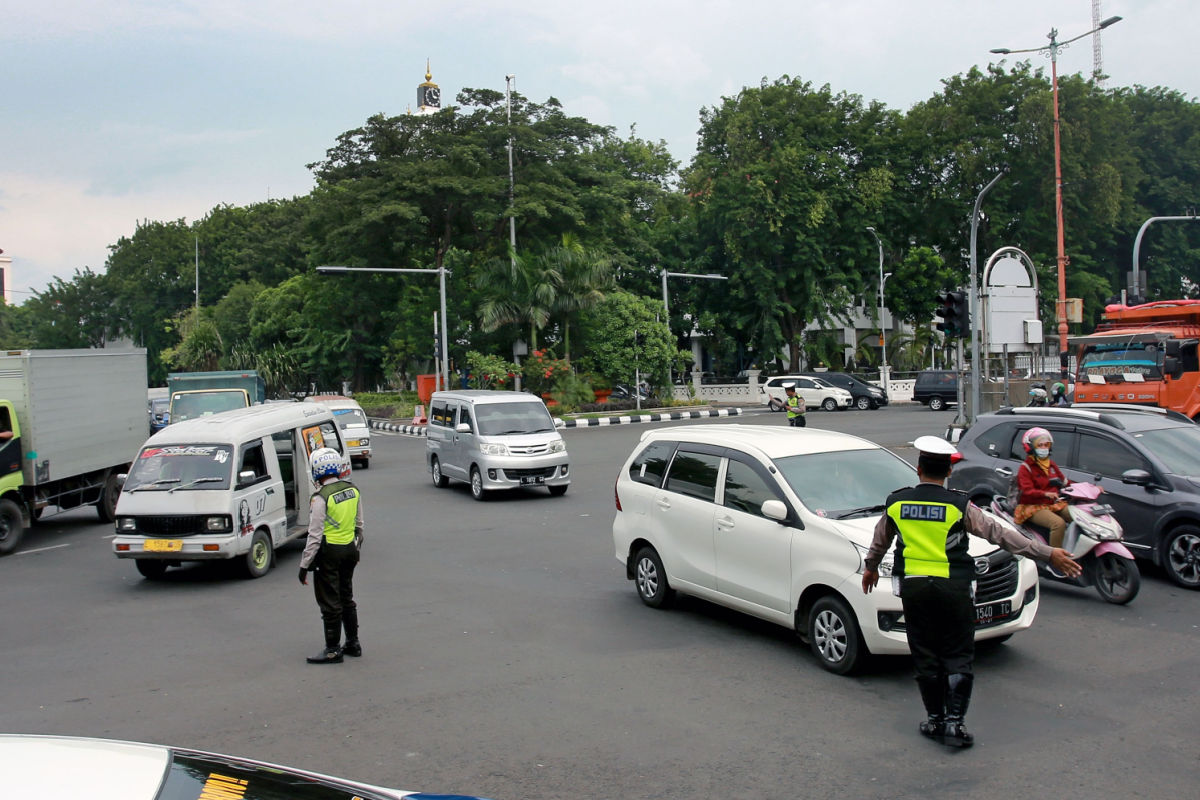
x: 1058, y: 394
x: 1037, y: 500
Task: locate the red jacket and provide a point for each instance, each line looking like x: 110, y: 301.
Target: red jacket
x: 1034, y: 483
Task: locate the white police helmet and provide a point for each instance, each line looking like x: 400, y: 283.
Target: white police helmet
x: 326, y: 463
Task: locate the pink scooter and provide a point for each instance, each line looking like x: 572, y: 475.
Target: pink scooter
x: 1093, y: 538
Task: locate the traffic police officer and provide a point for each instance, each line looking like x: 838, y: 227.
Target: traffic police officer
x: 794, y: 404
x: 335, y: 533
x: 934, y: 573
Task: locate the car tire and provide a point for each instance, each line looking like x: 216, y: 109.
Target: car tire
x: 936, y: 403
x: 435, y: 470
x: 1180, y: 556
x: 829, y: 404
x: 651, y: 579
x: 557, y: 491
x: 150, y: 568
x: 1116, y: 579
x: 257, y: 562
x: 834, y: 636
x: 477, y: 490
x: 863, y: 404
x: 106, y: 506
x: 12, y: 526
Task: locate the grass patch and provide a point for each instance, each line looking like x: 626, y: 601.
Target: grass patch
x: 388, y: 405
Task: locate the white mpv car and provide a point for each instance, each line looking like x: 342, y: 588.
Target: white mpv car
x: 816, y: 392
x: 775, y: 523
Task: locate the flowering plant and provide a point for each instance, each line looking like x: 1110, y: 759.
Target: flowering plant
x: 542, y: 371
x: 490, y: 372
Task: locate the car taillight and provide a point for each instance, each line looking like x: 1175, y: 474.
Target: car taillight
x: 956, y: 457
x: 616, y: 494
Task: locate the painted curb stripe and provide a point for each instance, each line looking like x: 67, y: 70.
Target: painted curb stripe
x: 592, y: 422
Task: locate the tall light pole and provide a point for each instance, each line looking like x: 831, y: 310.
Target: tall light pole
x: 883, y: 369
x: 973, y: 303
x: 509, y: 81
x: 441, y: 271
x: 1053, y: 49
x: 666, y: 304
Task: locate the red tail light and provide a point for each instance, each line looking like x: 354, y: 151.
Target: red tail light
x: 956, y: 457
x: 616, y: 494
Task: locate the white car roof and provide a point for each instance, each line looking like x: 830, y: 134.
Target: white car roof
x: 773, y: 442
x: 240, y: 424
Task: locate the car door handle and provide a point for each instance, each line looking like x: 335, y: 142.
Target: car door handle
x: 1005, y: 471
x: 725, y: 522
x: 663, y: 503
x: 270, y: 490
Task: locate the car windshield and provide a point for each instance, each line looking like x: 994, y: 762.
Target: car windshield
x: 349, y: 418
x: 183, y: 466
x: 835, y: 484
x: 497, y: 419
x: 201, y: 404
x: 1177, y: 447
x: 1139, y: 358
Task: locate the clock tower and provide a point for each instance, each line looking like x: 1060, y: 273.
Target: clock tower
x: 429, y: 96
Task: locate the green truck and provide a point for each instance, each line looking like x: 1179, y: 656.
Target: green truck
x: 70, y: 422
x: 198, y: 394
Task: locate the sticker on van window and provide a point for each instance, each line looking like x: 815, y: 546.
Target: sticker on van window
x: 218, y: 453
x: 314, y: 438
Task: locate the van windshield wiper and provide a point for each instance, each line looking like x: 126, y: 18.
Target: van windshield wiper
x: 210, y: 479
x: 159, y: 482
x: 854, y: 512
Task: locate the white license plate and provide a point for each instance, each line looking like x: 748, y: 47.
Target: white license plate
x: 990, y: 613
x: 527, y: 481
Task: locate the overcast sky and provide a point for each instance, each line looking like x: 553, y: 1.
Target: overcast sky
x: 119, y: 111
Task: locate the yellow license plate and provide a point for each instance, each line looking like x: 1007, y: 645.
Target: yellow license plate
x: 353, y: 442
x: 163, y: 545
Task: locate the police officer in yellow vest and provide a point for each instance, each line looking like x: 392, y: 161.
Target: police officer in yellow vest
x: 335, y: 533
x: 935, y: 574
x: 794, y: 404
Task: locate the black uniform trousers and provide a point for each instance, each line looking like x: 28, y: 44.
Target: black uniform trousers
x: 939, y: 617
x: 333, y: 583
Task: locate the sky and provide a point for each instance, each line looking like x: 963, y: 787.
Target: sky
x: 127, y: 110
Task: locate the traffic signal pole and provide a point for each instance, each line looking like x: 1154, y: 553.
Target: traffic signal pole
x: 976, y: 365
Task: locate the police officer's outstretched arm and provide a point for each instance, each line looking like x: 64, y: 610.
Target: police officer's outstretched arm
x: 982, y: 526
x: 884, y: 533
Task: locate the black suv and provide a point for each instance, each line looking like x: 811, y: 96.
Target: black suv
x: 865, y: 394
x: 936, y: 388
x: 1147, y: 460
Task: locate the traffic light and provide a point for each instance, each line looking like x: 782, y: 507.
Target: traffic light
x: 955, y: 314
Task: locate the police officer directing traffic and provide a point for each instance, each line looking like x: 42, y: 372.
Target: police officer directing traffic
x: 794, y: 404
x: 335, y: 534
x: 935, y: 572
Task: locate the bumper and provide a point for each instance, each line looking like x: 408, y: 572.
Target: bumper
x: 510, y: 472
x: 191, y: 548
x: 358, y: 452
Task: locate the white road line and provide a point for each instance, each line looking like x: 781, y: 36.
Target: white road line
x: 41, y: 549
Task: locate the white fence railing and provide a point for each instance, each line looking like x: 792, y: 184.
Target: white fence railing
x: 898, y: 390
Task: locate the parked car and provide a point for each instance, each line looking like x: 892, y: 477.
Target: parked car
x: 865, y: 395
x: 775, y: 523
x: 68, y: 767
x: 936, y: 388
x: 1147, y: 460
x: 815, y: 391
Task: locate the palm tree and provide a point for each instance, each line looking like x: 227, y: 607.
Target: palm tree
x: 584, y: 278
x: 517, y: 290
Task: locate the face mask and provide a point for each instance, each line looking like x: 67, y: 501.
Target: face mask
x: 1042, y: 452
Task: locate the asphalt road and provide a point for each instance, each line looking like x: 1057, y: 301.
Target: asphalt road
x: 507, y: 656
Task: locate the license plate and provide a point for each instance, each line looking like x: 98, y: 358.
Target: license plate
x: 163, y: 545
x: 538, y: 479
x: 993, y: 612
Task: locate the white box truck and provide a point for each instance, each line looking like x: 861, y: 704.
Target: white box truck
x: 70, y: 421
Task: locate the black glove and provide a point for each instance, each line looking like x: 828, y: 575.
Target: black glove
x: 304, y: 576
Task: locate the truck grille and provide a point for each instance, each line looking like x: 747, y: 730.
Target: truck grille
x: 540, y: 472
x: 1000, y: 580
x: 182, y: 525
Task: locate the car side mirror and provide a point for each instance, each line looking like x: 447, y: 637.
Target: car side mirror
x: 462, y: 427
x: 121, y: 478
x: 246, y: 477
x: 558, y: 422
x: 1136, y: 477
x: 775, y: 509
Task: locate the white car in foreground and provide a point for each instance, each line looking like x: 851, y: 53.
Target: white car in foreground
x: 816, y: 392
x: 775, y: 523
x: 66, y: 767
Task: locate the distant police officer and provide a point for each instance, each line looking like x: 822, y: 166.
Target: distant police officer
x: 935, y: 572
x: 794, y: 404
x: 335, y: 533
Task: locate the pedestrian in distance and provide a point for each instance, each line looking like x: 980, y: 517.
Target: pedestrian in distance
x: 933, y: 575
x: 335, y: 535
x: 794, y: 404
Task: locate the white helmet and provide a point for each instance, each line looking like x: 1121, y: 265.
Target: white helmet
x: 325, y: 463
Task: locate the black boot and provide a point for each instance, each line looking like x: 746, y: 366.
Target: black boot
x: 350, y: 623
x: 332, y: 654
x: 958, y: 697
x: 933, y: 695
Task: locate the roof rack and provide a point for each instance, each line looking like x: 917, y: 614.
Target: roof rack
x: 1066, y: 412
x: 1169, y: 413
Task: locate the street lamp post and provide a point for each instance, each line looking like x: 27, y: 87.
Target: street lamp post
x: 1053, y: 50
x: 441, y: 271
x: 883, y: 369
x: 666, y: 304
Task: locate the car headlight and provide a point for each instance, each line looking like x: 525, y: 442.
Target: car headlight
x: 885, y: 565
x: 558, y: 446
x: 493, y: 449
x: 219, y: 524
x: 126, y: 524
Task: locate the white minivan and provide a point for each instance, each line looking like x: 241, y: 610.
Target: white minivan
x: 495, y: 440
x: 352, y: 420
x: 233, y: 485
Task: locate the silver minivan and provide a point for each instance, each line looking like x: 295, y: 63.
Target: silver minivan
x: 494, y: 440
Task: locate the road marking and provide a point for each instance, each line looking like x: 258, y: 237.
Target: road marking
x: 41, y: 549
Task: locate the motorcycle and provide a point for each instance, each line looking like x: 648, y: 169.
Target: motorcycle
x: 1038, y: 396
x: 1093, y: 538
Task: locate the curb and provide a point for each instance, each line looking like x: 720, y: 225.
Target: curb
x: 591, y: 422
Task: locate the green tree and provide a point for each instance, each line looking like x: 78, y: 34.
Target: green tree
x: 608, y: 332
x: 70, y: 314
x: 200, y: 347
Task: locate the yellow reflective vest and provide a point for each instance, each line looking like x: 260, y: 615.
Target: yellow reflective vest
x: 932, y: 536
x: 341, y: 511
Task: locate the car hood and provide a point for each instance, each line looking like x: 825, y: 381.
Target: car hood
x: 861, y: 530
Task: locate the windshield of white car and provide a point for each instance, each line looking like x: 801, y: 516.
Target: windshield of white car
x: 184, y: 467
x: 349, y: 418
x: 1178, y: 447
x: 499, y: 419
x: 847, y: 482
